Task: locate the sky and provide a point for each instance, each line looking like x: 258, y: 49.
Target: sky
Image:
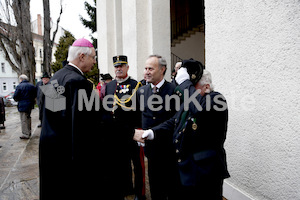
x: 70, y: 17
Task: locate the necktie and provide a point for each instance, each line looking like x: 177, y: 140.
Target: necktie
x: 154, y: 90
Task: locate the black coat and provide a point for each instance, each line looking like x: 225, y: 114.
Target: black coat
x: 163, y: 177
x: 200, y: 148
x: 121, y: 149
x: 68, y: 143
x: 2, y: 111
x: 153, y: 118
x: 25, y: 95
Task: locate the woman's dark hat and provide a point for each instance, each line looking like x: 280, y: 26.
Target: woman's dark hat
x: 45, y: 75
x: 105, y: 77
x: 194, y: 69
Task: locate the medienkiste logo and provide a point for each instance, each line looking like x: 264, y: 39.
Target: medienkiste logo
x: 54, y: 101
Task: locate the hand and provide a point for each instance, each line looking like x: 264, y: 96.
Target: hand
x: 138, y: 136
x: 148, y: 135
x: 182, y: 75
x: 141, y: 144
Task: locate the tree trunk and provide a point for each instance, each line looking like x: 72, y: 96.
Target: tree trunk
x: 47, y: 41
x: 21, y: 10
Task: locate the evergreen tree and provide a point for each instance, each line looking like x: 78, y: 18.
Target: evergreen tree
x: 61, y: 53
x: 92, y: 25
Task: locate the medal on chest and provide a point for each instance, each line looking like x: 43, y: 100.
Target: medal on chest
x: 124, y: 88
x: 194, y: 125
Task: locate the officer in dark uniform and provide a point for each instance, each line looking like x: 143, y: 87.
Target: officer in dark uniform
x: 121, y: 121
x: 199, y: 134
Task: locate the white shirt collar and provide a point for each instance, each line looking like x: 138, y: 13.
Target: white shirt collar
x: 158, y: 85
x: 121, y: 80
x: 76, y: 67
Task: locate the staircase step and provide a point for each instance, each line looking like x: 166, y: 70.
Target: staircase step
x: 187, y: 35
x: 199, y: 28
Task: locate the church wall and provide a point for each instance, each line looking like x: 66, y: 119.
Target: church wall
x: 253, y: 50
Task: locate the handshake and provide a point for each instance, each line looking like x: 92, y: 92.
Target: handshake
x: 141, y: 135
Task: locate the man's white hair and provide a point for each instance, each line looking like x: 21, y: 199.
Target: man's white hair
x: 75, y: 51
x: 206, y: 79
x: 23, y: 77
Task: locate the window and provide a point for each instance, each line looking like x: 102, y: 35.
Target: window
x: 3, y: 67
x: 41, y: 55
x: 4, y: 86
x: 14, y: 85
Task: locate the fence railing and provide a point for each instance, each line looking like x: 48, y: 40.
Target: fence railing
x: 174, y: 60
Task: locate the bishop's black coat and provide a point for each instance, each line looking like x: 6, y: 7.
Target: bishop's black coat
x: 201, y: 157
x: 69, y: 144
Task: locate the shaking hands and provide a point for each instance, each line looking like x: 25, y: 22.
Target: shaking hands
x: 141, y: 135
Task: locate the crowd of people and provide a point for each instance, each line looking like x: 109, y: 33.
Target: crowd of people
x: 90, y: 153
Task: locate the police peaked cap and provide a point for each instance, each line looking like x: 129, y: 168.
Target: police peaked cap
x: 194, y: 69
x: 119, y: 60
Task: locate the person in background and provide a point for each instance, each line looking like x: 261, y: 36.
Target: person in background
x: 144, y: 81
x: 25, y: 95
x: 199, y: 135
x: 98, y: 87
x: 105, y: 78
x: 40, y: 97
x: 2, y: 113
x: 176, y: 68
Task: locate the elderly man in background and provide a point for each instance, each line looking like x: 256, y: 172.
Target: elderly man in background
x: 40, y: 96
x: 68, y: 152
x: 25, y: 95
x: 176, y: 68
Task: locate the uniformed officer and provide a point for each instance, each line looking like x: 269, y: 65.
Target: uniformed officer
x: 200, y: 132
x: 121, y: 121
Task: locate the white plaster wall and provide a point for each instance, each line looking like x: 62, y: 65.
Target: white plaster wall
x: 106, y: 34
x: 129, y: 34
x: 134, y: 28
x: 161, y: 31
x: 253, y: 52
x: 191, y: 47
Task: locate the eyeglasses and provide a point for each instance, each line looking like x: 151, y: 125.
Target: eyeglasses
x: 94, y: 57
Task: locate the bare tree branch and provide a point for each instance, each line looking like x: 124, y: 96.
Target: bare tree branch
x: 7, y: 57
x: 57, y: 22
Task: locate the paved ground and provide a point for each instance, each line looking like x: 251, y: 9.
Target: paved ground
x: 19, y: 173
x: 18, y: 159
